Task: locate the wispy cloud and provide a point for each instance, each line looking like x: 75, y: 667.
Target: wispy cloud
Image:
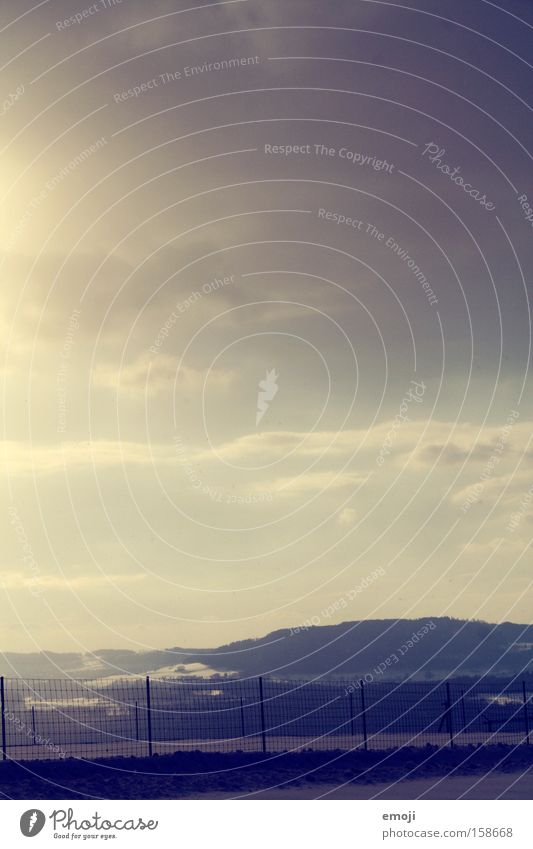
x: 152, y: 375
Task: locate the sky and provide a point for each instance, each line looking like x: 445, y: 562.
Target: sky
x: 265, y: 317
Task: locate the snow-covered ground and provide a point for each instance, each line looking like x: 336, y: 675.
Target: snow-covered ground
x: 483, y: 772
x: 497, y: 785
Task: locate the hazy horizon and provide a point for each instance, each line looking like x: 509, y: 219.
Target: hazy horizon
x: 295, y: 627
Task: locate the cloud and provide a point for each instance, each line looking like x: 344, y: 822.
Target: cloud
x: 417, y: 443
x: 265, y: 446
x: 313, y: 482
x: 453, y: 454
x: 152, y: 375
x: 42, y: 582
x: 507, y: 489
x: 424, y: 440
x: 347, y: 516
x: 21, y: 458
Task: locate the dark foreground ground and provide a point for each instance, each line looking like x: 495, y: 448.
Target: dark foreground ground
x: 492, y: 772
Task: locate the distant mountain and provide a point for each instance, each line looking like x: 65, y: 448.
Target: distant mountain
x: 378, y: 649
x: 382, y: 648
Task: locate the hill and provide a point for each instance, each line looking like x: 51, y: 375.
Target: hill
x: 380, y: 649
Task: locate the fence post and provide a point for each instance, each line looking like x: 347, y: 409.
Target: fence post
x: 33, y: 725
x: 449, y: 713
x: 363, y: 713
x: 352, y: 718
x: 463, y: 710
x: 3, y: 707
x: 149, y: 716
x: 242, y: 719
x: 526, y: 720
x: 262, y: 705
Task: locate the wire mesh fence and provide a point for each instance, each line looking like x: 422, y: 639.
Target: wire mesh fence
x: 130, y: 716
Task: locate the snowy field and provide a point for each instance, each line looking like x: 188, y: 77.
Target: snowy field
x: 474, y: 772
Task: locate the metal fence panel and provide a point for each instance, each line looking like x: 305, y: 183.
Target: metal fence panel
x: 127, y: 715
